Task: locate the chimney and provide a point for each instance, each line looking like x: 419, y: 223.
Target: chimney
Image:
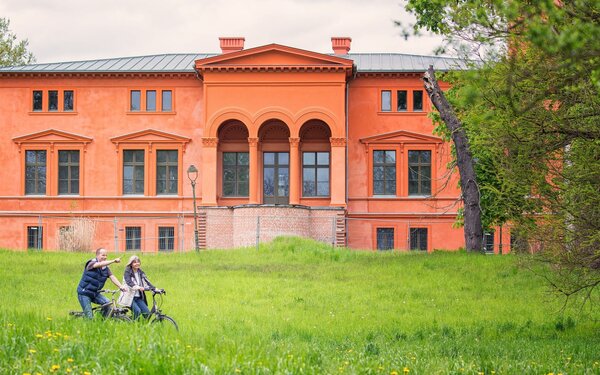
x: 229, y: 44
x: 341, y: 45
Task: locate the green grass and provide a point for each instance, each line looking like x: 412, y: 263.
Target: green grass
x: 296, y: 306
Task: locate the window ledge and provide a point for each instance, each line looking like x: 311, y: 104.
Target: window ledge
x: 53, y: 113
x: 138, y: 113
x: 403, y: 113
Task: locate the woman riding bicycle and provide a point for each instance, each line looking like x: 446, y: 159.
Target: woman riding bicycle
x: 137, y: 281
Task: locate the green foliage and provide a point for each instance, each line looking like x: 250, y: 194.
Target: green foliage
x: 297, y: 306
x: 12, y: 51
x: 531, y: 109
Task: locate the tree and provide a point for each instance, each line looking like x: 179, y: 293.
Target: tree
x: 12, y: 51
x: 531, y: 110
x: 464, y: 161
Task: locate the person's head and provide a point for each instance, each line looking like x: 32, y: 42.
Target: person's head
x: 134, y: 262
x: 101, y: 254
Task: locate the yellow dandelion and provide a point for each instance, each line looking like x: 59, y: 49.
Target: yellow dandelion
x: 54, y: 368
x: 39, y: 336
x: 56, y: 350
x: 26, y: 373
x: 70, y: 360
x: 68, y: 370
x: 87, y: 373
x: 406, y: 370
x: 48, y: 319
x: 394, y: 373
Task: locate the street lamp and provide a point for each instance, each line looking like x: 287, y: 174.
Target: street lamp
x: 192, y: 173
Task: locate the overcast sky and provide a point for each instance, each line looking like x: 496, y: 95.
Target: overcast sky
x: 70, y: 30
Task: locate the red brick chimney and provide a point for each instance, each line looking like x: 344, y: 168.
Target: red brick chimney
x: 229, y: 44
x: 341, y: 45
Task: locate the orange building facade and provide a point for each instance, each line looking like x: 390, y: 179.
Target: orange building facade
x: 337, y: 147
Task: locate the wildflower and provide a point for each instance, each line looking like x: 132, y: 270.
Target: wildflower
x: 406, y: 370
x: 32, y: 351
x: 394, y: 372
x: 26, y: 373
x: 49, y: 319
x: 68, y: 370
x: 87, y: 373
x: 54, y: 368
x: 70, y: 360
x: 238, y: 370
x: 56, y: 350
x: 39, y: 336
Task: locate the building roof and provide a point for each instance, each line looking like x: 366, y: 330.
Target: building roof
x: 184, y: 63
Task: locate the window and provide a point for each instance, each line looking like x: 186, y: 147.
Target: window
x: 133, y: 172
x: 133, y: 238
x: 167, y: 101
x: 35, y: 237
x: 385, y: 238
x: 418, y: 239
x: 57, y: 101
x: 235, y: 174
x: 166, y: 172
x: 402, y: 99
x: 136, y: 98
x: 386, y: 101
x: 151, y: 101
x: 315, y: 174
x: 488, y: 242
x: 37, y: 100
x: 68, y: 97
x: 68, y: 172
x: 417, y: 100
x: 166, y: 238
x: 52, y: 101
x: 35, y: 172
x: 419, y: 172
x: 384, y: 172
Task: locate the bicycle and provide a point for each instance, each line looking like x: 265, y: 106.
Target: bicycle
x: 156, y: 314
x: 109, y: 310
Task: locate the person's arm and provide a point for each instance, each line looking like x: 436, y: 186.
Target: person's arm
x: 150, y: 286
x: 105, y: 263
x: 115, y: 281
x: 128, y: 277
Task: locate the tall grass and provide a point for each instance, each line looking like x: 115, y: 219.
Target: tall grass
x: 296, y: 306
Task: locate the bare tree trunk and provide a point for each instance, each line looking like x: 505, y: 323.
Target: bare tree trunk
x: 468, y: 180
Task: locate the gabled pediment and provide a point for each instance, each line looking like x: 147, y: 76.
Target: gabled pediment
x: 401, y: 136
x: 52, y: 136
x: 273, y: 57
x: 150, y: 137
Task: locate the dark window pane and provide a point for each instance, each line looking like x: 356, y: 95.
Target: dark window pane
x: 166, y: 238
x: 235, y: 174
x: 167, y: 101
x: 151, y: 100
x: 419, y: 172
x: 378, y: 188
x: 229, y: 158
x: 52, y: 100
x: 133, y: 172
x: 68, y: 100
x: 243, y: 189
x: 37, y: 100
x: 418, y: 239
x: 133, y: 238
x: 378, y: 156
x: 35, y: 172
x: 228, y: 189
x: 386, y: 101
x: 402, y: 102
x: 390, y: 157
x: 417, y: 100
x: 136, y: 98
x: 35, y: 237
x: 385, y: 238
x: 323, y: 188
x: 269, y: 183
x: 243, y: 158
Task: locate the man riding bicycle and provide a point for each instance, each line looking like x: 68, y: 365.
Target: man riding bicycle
x: 94, y: 276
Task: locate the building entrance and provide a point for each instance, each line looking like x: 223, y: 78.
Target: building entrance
x: 276, y: 177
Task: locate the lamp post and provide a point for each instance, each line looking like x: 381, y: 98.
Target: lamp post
x: 192, y: 174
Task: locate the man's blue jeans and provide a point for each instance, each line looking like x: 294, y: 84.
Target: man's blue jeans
x: 86, y: 303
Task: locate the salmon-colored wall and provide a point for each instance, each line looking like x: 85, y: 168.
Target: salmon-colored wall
x: 291, y: 86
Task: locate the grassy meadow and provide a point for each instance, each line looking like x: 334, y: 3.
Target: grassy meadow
x: 295, y: 306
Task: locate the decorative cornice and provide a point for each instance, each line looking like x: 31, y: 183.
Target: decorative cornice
x: 210, y: 142
x: 389, y: 74
x: 52, y: 137
x: 337, y: 141
x: 272, y: 68
x: 98, y: 74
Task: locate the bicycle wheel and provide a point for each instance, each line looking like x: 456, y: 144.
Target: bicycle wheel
x: 121, y: 317
x: 165, y: 318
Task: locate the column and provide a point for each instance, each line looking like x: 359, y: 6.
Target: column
x: 253, y: 174
x: 294, y: 170
x: 338, y: 172
x: 209, y: 171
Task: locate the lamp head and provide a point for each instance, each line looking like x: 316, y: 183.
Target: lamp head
x: 192, y: 173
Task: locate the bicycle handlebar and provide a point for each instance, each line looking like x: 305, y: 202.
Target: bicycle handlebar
x: 109, y: 291
x: 162, y: 291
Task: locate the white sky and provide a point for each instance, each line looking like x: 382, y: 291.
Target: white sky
x: 70, y: 30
